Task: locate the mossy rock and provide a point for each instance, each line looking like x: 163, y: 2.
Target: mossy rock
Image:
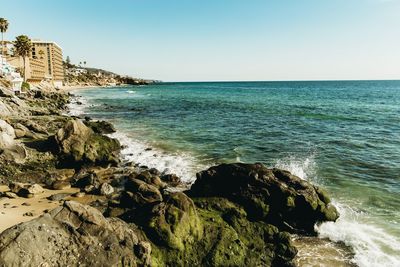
x: 175, y: 223
x: 228, y: 238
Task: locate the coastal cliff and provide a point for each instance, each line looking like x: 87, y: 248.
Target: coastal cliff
x: 123, y: 214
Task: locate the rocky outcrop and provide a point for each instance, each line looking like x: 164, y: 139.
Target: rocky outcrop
x: 9, y: 149
x: 100, y: 127
x: 73, y: 235
x: 271, y: 195
x: 79, y: 145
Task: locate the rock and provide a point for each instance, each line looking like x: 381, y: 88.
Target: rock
x: 150, y: 178
x: 106, y: 189
x: 139, y: 193
x: 15, y: 153
x: 79, y: 194
x: 61, y: 174
x: 9, y: 195
x: 30, y: 214
x: 15, y: 186
x: 6, y: 93
x: 33, y: 126
x: 174, y: 222
x: 30, y: 190
x: 58, y: 197
x: 7, y: 135
x: 79, y: 144
x: 7, y: 129
x: 171, y: 179
x: 60, y: 185
x: 89, y: 189
x: 5, y: 110
x: 270, y: 195
x: 19, y: 133
x: 100, y: 127
x: 73, y: 235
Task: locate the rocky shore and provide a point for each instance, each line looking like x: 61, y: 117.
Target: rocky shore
x: 108, y: 212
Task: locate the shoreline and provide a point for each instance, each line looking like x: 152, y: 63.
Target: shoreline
x: 334, y: 253
x: 100, y: 172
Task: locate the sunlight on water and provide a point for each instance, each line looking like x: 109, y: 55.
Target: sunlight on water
x: 340, y: 135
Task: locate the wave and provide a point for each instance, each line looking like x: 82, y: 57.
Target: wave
x: 77, y: 106
x: 181, y: 164
x: 371, y: 244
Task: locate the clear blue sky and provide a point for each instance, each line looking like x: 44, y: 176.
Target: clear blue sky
x: 188, y: 40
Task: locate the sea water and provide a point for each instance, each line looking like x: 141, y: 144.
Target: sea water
x: 342, y: 135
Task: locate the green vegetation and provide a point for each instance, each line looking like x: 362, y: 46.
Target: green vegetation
x: 25, y: 86
x: 23, y: 47
x: 3, y: 29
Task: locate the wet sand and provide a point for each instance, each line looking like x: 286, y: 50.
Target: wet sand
x: 12, y: 210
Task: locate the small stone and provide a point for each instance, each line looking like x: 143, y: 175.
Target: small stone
x: 25, y: 204
x: 89, y: 188
x: 106, y: 189
x: 79, y: 194
x: 30, y: 214
x: 30, y: 191
x: 9, y: 195
x: 58, y: 197
x: 61, y: 185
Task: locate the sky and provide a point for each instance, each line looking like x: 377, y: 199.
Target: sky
x: 219, y: 40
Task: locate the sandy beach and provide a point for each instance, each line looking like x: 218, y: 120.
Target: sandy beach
x: 17, y: 210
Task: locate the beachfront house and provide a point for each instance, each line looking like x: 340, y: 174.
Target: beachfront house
x: 9, y: 72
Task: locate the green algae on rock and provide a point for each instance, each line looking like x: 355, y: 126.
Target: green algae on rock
x: 79, y: 144
x: 271, y: 195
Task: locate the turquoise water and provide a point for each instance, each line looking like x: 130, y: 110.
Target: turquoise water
x: 342, y: 135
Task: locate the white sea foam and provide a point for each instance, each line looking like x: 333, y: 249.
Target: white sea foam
x: 371, y: 244
x: 77, y: 106
x: 303, y: 168
x: 181, y: 164
x: 131, y: 92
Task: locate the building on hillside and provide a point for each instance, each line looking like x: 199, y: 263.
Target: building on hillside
x: 50, y: 54
x: 76, y: 71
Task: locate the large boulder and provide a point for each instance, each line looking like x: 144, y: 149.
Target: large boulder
x: 9, y: 149
x: 174, y: 222
x: 271, y: 195
x: 139, y: 194
x: 7, y: 135
x: 100, y: 127
x: 79, y: 144
x: 5, y: 110
x: 73, y: 235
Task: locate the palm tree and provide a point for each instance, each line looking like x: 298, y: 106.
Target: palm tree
x: 3, y: 29
x: 23, y: 47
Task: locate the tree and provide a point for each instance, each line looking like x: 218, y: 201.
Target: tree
x: 3, y: 29
x: 84, y: 63
x: 23, y: 47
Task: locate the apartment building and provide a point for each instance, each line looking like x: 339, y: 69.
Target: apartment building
x: 50, y: 54
x: 35, y: 69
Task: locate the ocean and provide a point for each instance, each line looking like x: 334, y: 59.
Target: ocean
x: 341, y: 135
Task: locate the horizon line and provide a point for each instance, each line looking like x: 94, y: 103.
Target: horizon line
x: 307, y: 80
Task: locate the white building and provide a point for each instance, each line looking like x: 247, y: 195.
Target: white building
x: 10, y: 74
